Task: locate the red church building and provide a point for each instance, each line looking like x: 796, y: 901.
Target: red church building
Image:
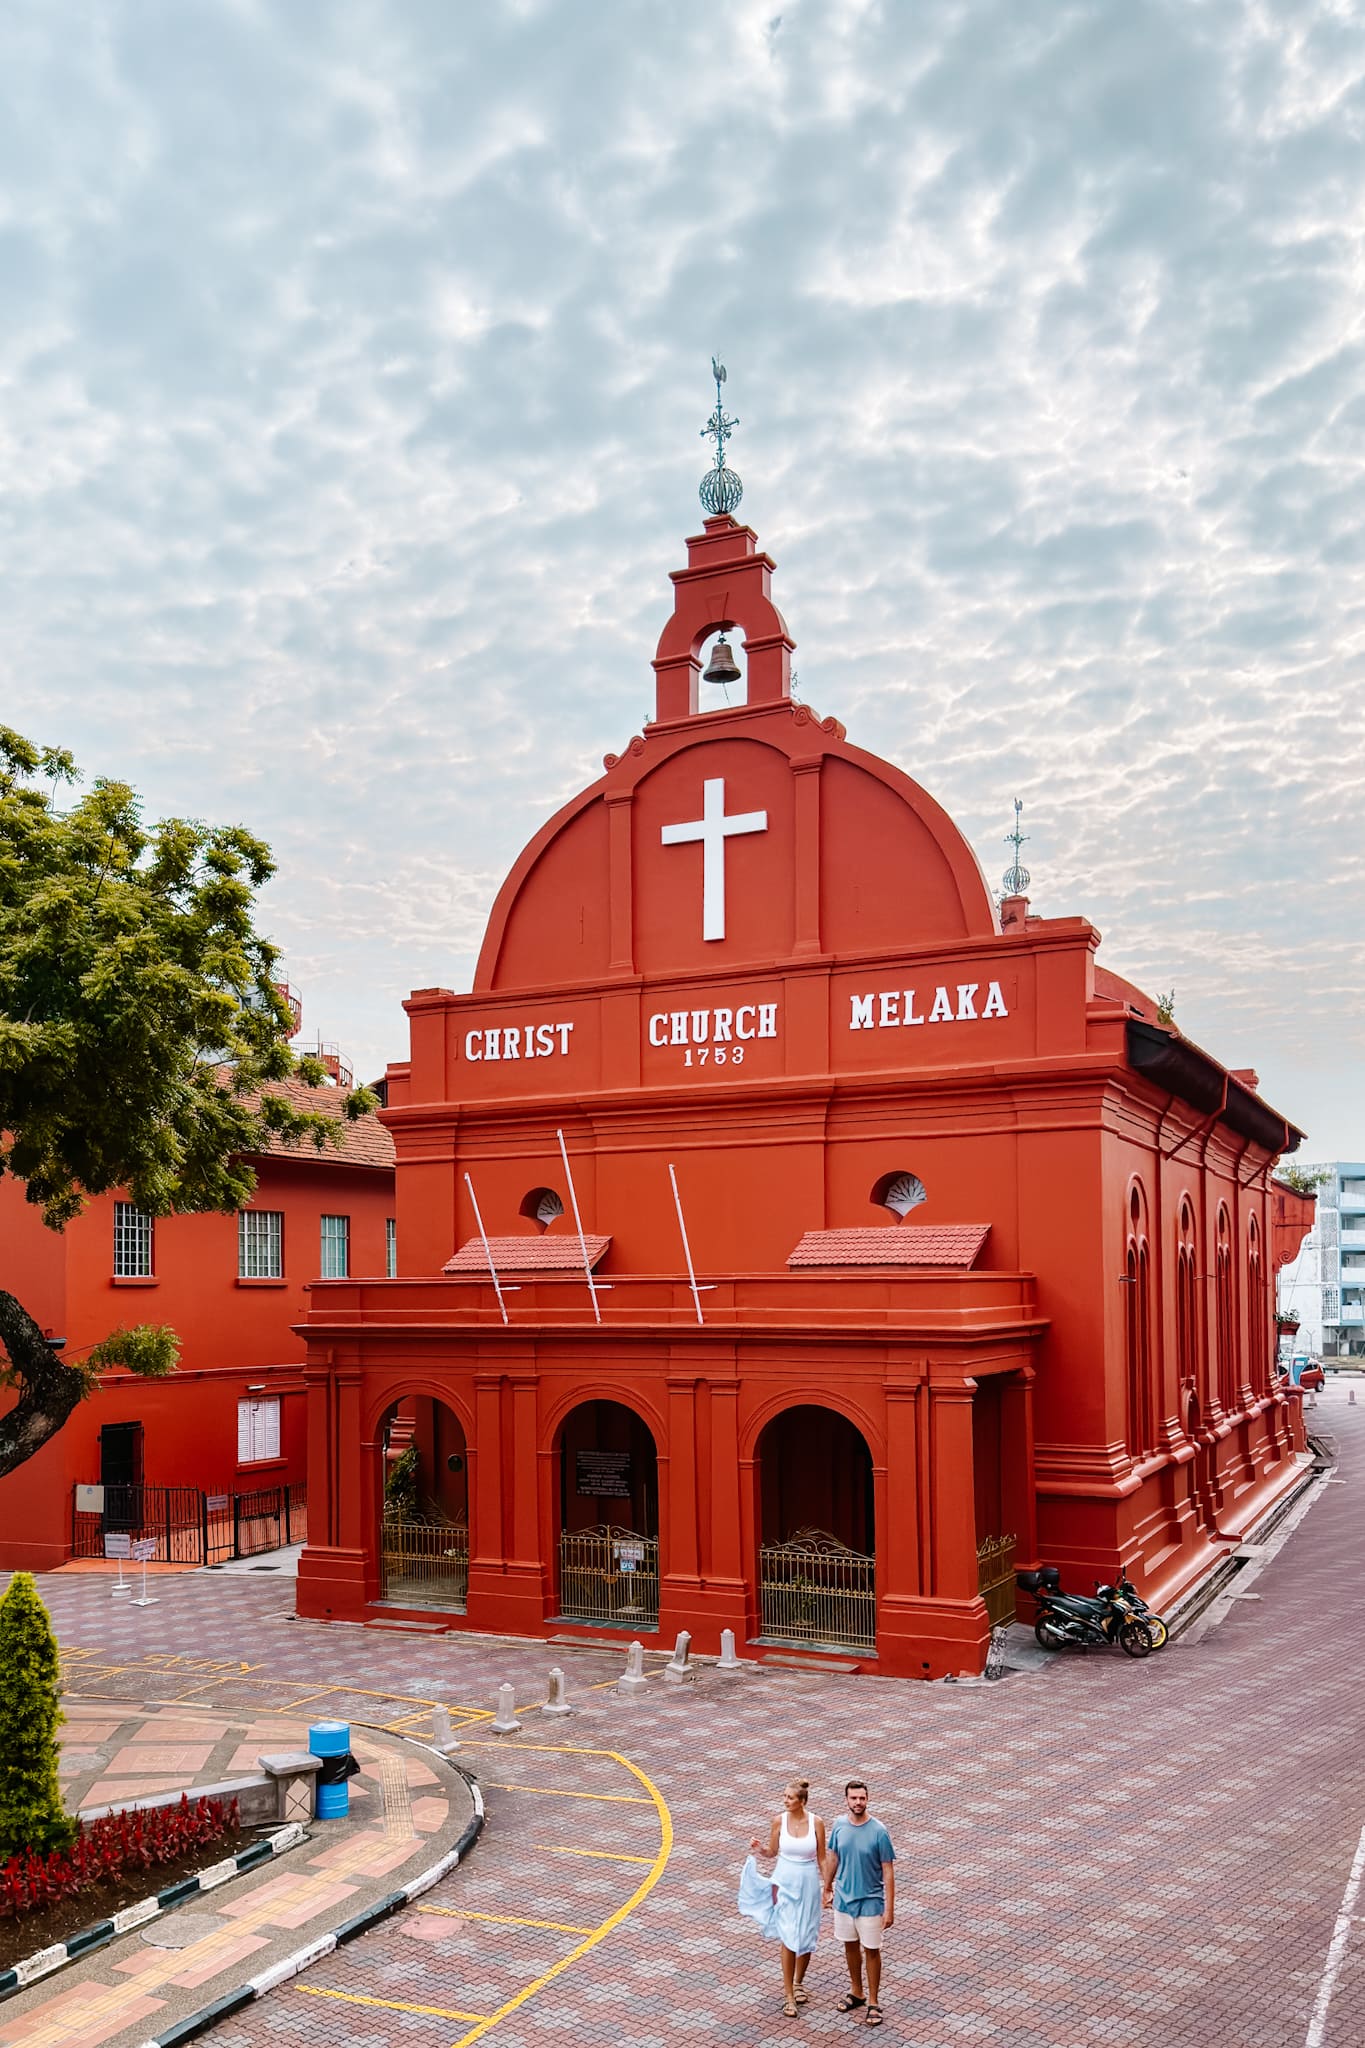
x: 791, y: 1241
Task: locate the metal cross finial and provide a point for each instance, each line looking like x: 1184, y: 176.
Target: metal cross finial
x: 721, y: 489
x: 720, y: 426
x: 1016, y: 878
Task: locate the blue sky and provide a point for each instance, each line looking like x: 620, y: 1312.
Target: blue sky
x: 352, y: 360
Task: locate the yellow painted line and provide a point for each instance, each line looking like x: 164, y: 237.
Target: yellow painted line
x: 598, y: 1855
x: 435, y: 2012
x: 641, y: 1891
x: 506, y: 1920
x: 552, y: 1792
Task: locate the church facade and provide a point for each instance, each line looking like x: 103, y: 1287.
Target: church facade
x: 790, y: 1240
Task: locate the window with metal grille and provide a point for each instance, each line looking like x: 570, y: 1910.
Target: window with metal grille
x: 1331, y: 1305
x: 336, y: 1247
x: 260, y: 1244
x: 132, y: 1242
x: 390, y: 1248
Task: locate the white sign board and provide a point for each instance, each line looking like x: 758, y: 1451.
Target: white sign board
x: 118, y: 1546
x: 216, y: 1502
x: 89, y: 1500
x: 143, y: 1550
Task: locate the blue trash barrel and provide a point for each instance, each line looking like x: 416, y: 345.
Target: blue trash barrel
x: 331, y: 1740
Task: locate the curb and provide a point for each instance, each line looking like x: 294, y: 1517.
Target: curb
x: 303, y: 1958
x: 46, y: 1960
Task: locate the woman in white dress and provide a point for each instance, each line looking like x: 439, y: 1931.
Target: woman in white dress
x: 787, y: 1905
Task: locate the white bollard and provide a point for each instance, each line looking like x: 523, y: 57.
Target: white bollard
x: 678, y: 1670
x: 633, y: 1678
x: 505, y: 1722
x: 1351, y: 1398
x: 443, y: 1738
x: 556, y: 1701
x: 728, y: 1660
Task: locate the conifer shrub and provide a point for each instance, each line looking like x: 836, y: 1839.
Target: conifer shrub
x: 32, y: 1816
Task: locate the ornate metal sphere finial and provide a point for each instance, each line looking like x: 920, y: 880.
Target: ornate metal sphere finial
x: 1016, y: 878
x: 721, y: 489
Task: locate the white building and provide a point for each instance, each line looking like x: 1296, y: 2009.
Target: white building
x: 1325, y: 1286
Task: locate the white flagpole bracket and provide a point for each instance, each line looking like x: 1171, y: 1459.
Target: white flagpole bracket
x: 687, y: 1249
x: 487, y: 1249
x: 578, y: 1226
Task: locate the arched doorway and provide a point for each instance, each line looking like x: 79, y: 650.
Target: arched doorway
x: 424, y: 1555
x: 817, y: 1575
x: 608, y: 1518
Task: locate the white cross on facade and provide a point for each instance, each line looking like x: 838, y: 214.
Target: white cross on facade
x: 713, y: 828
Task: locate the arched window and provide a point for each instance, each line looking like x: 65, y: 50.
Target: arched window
x: 1137, y: 1287
x: 541, y: 1207
x: 1258, y: 1314
x: 1187, y: 1347
x: 899, y: 1191
x: 1223, y: 1311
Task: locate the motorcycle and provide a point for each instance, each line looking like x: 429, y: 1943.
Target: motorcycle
x: 1159, y: 1630
x: 1110, y: 1617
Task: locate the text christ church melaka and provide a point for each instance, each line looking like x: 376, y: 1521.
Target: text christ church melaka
x: 983, y: 1251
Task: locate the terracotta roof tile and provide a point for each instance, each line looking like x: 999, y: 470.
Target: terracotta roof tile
x: 527, y: 1254
x: 363, y: 1139
x: 922, y: 1244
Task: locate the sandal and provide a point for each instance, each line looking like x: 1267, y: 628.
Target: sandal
x: 850, y: 2002
x: 874, y: 2016
x: 801, y: 1996
x: 790, y: 2009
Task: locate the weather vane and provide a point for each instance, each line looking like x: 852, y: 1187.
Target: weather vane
x: 721, y: 489
x: 1016, y: 878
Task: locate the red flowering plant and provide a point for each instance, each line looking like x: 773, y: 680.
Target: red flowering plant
x: 110, y: 1848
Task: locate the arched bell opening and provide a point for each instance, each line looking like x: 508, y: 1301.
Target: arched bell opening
x: 608, y: 1518
x: 724, y: 670
x: 817, y: 1553
x: 424, y: 1550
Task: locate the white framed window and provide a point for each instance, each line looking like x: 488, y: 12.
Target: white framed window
x: 390, y: 1247
x: 336, y: 1247
x: 258, y: 1429
x: 132, y: 1242
x: 260, y: 1244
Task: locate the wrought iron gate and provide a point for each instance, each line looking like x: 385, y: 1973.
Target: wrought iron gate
x: 814, y: 1589
x: 995, y: 1577
x: 609, y: 1575
x: 192, y: 1527
x: 426, y: 1564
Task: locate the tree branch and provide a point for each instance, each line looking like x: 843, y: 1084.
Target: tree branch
x: 48, y: 1390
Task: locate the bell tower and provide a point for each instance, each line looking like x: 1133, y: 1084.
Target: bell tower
x: 727, y: 583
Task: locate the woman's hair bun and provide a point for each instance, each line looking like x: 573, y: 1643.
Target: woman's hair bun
x: 802, y: 1785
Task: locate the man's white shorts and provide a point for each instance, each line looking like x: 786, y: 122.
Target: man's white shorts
x: 867, y: 1930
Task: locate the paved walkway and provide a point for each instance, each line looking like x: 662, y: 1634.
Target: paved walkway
x: 407, y: 1810
x: 1108, y: 1852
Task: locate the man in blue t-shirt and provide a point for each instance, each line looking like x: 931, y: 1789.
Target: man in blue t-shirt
x: 860, y: 1883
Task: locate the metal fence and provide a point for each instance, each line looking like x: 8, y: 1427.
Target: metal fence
x: 192, y: 1527
x: 995, y: 1577
x: 609, y: 1575
x: 426, y: 1564
x: 813, y: 1589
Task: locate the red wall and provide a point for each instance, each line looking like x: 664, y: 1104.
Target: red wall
x: 234, y: 1335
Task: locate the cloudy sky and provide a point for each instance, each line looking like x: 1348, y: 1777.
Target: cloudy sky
x: 352, y: 360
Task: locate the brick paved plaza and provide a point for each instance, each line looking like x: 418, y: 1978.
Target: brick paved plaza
x: 1106, y: 1852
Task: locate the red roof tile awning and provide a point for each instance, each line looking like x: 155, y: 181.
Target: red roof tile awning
x: 924, y: 1244
x: 528, y: 1254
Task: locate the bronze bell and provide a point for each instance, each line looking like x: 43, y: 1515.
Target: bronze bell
x: 722, y: 667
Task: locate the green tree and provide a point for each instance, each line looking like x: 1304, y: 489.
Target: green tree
x: 32, y: 1815
x: 140, y: 1029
